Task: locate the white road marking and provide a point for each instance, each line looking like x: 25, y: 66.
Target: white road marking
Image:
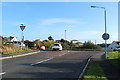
x: 2, y: 73
x: 41, y: 62
x: 45, y: 60
x: 62, y: 54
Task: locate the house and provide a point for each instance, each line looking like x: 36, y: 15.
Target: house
x: 76, y: 43
x: 12, y: 39
x: 114, y: 45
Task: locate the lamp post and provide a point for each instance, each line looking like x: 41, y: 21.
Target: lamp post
x: 105, y: 36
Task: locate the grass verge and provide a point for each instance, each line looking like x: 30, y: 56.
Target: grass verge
x: 114, y: 58
x: 11, y: 49
x: 94, y: 72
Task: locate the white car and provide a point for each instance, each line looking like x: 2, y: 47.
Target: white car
x: 57, y: 46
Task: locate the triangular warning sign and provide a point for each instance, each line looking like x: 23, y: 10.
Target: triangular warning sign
x: 22, y: 27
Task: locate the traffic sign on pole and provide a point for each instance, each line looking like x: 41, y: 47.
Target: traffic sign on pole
x: 22, y: 41
x: 22, y: 27
x: 105, y: 36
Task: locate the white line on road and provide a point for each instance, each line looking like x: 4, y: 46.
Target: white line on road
x: 41, y: 62
x: 2, y: 73
x: 62, y: 54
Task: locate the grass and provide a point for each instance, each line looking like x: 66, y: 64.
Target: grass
x: 113, y: 55
x: 114, y: 58
x: 94, y: 72
x: 11, y: 49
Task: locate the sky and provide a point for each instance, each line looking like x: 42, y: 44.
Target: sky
x: 44, y: 19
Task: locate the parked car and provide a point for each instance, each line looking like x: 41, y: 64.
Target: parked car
x: 117, y: 48
x: 57, y: 46
x: 42, y: 48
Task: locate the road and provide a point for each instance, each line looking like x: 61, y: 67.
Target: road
x: 47, y: 64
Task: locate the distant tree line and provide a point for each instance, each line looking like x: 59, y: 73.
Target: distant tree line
x: 50, y: 42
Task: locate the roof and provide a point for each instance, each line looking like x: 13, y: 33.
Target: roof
x: 118, y: 42
x: 74, y: 40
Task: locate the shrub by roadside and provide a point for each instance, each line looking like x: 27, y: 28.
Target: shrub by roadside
x: 94, y: 72
x: 11, y: 49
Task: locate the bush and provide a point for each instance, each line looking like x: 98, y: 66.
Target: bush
x: 90, y: 45
x: 49, y: 44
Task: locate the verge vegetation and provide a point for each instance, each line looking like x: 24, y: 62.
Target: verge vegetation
x: 114, y: 58
x: 11, y: 49
x: 88, y: 46
x: 94, y: 72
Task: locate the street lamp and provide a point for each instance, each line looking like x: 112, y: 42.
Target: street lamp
x: 105, y: 35
x: 104, y: 15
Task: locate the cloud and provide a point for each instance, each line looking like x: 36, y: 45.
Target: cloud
x: 59, y: 20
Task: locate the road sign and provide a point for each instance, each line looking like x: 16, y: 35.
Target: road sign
x: 105, y: 36
x: 22, y: 27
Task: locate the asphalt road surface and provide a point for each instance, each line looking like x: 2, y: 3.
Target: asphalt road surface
x: 47, y: 64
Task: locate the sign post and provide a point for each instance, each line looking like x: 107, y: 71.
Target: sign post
x: 22, y: 40
x: 105, y: 36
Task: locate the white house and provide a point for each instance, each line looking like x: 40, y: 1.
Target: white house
x: 12, y: 39
x: 114, y: 45
x: 74, y: 41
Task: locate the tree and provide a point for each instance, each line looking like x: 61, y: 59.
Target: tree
x: 49, y: 44
x: 26, y: 42
x: 50, y: 38
x: 62, y: 40
x: 5, y: 39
